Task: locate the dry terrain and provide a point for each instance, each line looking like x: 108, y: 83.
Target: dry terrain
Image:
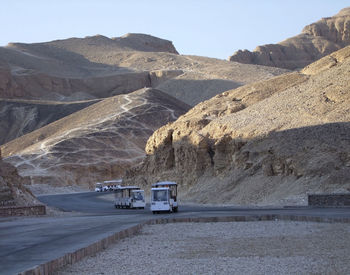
x: 96, y: 143
x: 80, y: 110
x: 269, y: 142
x: 316, y: 40
x: 70, y: 114
x: 97, y: 67
x: 226, y: 248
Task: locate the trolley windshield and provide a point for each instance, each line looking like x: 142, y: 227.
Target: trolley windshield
x: 160, y: 195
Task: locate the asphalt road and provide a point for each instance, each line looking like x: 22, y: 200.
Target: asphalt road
x: 27, y: 242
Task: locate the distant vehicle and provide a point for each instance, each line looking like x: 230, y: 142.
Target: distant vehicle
x: 107, y: 185
x: 129, y: 197
x: 164, y: 197
x: 98, y: 187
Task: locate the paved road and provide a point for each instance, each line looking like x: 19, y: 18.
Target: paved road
x: 27, y: 242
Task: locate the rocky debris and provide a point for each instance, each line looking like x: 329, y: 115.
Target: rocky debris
x: 262, y: 143
x: 12, y: 190
x: 96, y: 143
x: 267, y: 247
x: 316, y: 40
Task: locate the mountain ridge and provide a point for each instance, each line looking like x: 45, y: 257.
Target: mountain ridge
x: 315, y: 41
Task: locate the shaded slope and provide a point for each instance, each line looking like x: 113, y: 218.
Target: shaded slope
x: 96, y: 143
x: 316, y: 40
x: 265, y: 143
x: 19, y: 117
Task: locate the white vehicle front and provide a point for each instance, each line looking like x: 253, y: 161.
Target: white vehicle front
x: 164, y: 197
x: 138, y: 199
x: 161, y: 201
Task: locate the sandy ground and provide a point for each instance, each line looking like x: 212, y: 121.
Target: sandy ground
x: 271, y: 247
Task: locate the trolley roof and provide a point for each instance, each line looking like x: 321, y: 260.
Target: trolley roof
x: 113, y: 181
x: 163, y: 183
x: 159, y: 188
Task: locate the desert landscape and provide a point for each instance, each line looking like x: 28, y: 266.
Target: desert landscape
x: 132, y: 107
x: 246, y: 140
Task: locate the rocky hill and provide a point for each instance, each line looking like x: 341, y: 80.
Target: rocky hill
x: 43, y: 82
x: 45, y: 88
x: 316, y: 40
x: 12, y: 189
x: 96, y: 143
x: 270, y: 142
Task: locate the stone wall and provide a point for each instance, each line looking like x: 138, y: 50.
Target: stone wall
x: 22, y: 210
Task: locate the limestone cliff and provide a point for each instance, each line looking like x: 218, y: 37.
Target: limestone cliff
x: 270, y: 142
x: 316, y: 40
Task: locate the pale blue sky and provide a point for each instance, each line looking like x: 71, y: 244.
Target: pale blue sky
x: 209, y: 28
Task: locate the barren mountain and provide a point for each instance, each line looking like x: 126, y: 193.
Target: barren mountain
x: 270, y: 142
x: 316, y: 40
x: 12, y: 190
x: 42, y: 82
x: 96, y: 143
x: 98, y: 67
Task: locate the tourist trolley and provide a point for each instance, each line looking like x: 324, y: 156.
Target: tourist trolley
x: 129, y: 197
x: 164, y: 197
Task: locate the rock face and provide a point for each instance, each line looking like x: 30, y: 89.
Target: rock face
x: 270, y: 142
x: 96, y: 143
x: 12, y: 190
x: 316, y: 40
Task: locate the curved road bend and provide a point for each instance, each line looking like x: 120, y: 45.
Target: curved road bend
x: 27, y: 242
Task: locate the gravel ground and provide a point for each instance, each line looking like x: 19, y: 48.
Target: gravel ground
x: 271, y: 247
